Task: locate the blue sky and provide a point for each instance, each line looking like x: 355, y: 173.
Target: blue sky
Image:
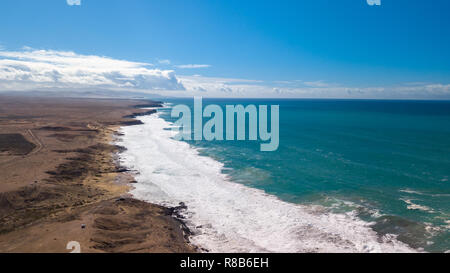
x: 280, y: 45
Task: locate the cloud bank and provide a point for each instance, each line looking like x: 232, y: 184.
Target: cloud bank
x: 49, y: 70
x: 225, y: 87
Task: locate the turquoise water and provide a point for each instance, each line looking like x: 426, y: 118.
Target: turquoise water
x: 389, y: 161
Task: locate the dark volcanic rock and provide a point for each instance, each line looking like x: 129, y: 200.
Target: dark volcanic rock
x: 132, y: 122
x: 16, y: 144
x: 134, y: 115
x: 55, y: 128
x: 150, y: 104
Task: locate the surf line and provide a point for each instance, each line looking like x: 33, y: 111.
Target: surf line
x: 237, y: 115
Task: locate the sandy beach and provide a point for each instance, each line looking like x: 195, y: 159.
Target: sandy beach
x: 60, y: 180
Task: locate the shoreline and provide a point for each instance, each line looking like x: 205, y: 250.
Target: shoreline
x: 69, y: 188
x: 196, y: 176
x: 174, y: 212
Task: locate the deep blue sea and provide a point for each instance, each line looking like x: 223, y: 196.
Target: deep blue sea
x: 387, y: 160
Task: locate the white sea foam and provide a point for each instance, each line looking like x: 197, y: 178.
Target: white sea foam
x: 422, y: 193
x: 413, y: 206
x: 230, y: 217
x: 411, y: 191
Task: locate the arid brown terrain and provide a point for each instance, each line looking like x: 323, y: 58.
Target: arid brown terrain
x: 60, y: 182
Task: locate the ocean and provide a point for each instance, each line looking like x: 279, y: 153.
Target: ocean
x: 348, y: 176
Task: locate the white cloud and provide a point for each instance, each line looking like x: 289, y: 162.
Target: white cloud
x: 49, y: 70
x: 317, y: 84
x: 191, y: 66
x: 30, y: 69
x: 74, y: 2
x: 165, y: 62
